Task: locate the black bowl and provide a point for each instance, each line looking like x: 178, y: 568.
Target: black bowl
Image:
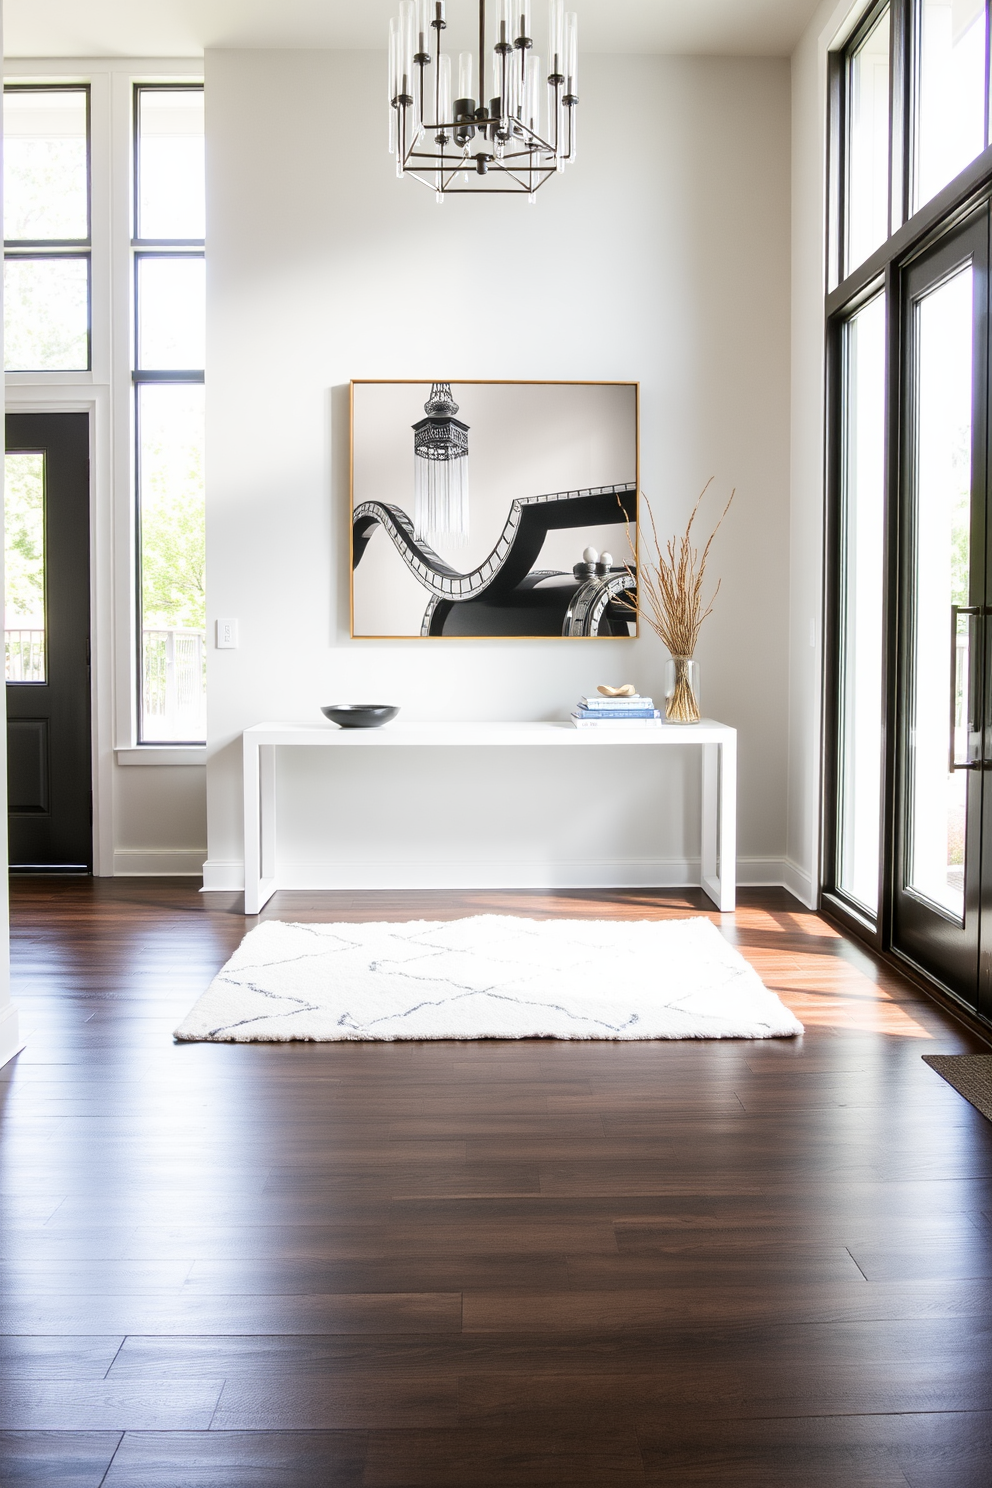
x: 359, y: 715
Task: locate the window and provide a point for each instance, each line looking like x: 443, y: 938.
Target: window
x: 168, y: 374
x: 46, y: 229
x: 860, y: 611
x: 868, y: 141
x: 941, y: 464
x: 951, y: 125
x: 24, y: 566
x: 928, y: 60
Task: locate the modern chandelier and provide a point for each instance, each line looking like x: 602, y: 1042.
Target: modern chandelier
x: 515, y: 140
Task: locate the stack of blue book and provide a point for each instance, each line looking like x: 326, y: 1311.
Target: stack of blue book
x: 610, y: 713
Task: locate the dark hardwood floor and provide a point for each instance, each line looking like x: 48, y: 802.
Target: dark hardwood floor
x: 453, y: 1265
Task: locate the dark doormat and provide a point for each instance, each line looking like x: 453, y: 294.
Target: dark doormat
x: 970, y: 1074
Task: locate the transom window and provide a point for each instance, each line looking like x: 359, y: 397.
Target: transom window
x: 868, y: 138
x: 912, y: 92
x: 47, y: 246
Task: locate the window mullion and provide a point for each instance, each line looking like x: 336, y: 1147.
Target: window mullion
x: 901, y: 112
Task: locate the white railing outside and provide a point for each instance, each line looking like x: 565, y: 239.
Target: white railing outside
x: 173, y: 686
x: 173, y: 678
x: 24, y: 655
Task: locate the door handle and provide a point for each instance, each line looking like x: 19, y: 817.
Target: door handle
x: 953, y: 762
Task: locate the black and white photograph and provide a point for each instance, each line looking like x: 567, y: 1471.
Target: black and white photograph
x: 494, y: 508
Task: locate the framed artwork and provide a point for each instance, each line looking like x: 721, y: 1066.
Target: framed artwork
x: 493, y: 508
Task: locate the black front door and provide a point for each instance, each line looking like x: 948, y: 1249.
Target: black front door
x: 47, y: 625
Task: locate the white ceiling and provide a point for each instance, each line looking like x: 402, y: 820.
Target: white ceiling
x: 184, y: 28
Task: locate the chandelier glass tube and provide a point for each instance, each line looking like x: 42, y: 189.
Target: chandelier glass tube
x: 515, y: 139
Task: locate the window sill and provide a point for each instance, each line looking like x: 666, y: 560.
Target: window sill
x: 50, y: 377
x: 163, y: 754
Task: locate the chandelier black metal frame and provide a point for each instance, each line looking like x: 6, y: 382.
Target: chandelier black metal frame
x: 515, y: 142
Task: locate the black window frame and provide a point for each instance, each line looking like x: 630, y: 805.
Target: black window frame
x: 910, y: 234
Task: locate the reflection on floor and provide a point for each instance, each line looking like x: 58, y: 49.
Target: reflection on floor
x: 448, y: 1265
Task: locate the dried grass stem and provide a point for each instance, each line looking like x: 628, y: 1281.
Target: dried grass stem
x: 670, y: 582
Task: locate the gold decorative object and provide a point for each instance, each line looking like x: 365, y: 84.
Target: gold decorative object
x: 670, y: 597
x: 627, y: 690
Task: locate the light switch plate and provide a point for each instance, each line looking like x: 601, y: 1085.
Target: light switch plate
x: 227, y: 635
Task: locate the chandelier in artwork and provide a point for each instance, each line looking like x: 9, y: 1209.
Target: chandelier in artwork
x: 508, y: 125
x: 440, y: 448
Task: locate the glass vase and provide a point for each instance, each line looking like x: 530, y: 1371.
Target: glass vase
x: 682, y: 690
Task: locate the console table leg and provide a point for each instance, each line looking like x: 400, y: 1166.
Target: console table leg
x: 260, y: 824
x: 253, y: 865
x: 709, y: 821
x: 267, y: 808
x: 718, y: 827
x: 728, y: 824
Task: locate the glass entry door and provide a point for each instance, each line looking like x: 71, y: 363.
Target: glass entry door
x: 47, y: 641
x: 944, y: 705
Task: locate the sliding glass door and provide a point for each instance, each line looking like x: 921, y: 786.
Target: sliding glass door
x: 907, y: 804
x: 943, y: 655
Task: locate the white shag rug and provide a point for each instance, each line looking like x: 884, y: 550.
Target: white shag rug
x: 489, y: 976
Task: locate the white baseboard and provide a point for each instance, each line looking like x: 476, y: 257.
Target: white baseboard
x: 11, y: 1042
x: 633, y: 873
x: 221, y: 877
x: 156, y: 862
x: 800, y: 883
x: 760, y: 873
x: 574, y: 874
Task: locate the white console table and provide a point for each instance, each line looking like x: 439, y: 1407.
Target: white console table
x: 716, y: 741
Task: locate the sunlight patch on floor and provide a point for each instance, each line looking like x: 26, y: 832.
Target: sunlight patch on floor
x: 832, y: 993
x: 840, y: 1012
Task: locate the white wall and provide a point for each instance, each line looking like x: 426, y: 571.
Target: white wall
x: 663, y: 256
x: 159, y: 815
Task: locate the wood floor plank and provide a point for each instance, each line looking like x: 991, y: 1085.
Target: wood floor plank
x: 239, y: 1459
x: 96, y: 1277
x: 928, y: 1450
x: 389, y: 1312
x: 369, y: 1357
x: 338, y: 1402
x: 312, y: 1276
x: 27, y: 1356
x: 634, y: 1310
x: 557, y: 1402
x: 402, y: 1237
x: 108, y: 1405
x: 718, y: 1265
x: 966, y: 1255
x: 486, y: 1457
x: 70, y: 1459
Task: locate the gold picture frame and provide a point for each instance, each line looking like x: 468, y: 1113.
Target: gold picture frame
x: 549, y: 461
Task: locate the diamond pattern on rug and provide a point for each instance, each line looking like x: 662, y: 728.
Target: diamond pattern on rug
x: 487, y: 976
